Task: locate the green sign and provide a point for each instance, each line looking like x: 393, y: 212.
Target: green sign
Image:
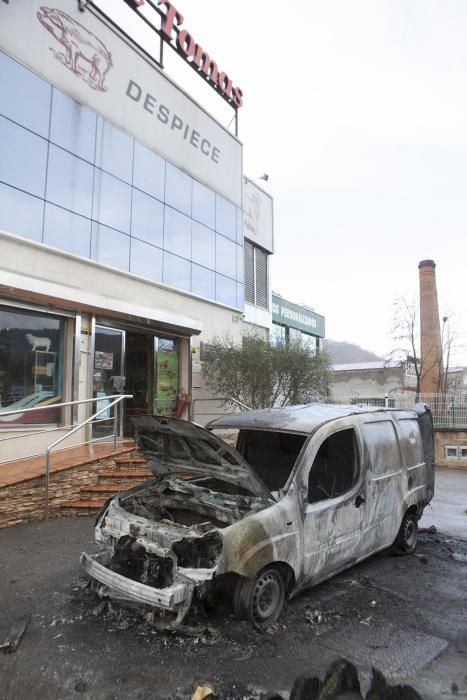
x: 295, y: 316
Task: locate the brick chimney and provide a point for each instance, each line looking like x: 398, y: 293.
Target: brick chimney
x: 430, y: 334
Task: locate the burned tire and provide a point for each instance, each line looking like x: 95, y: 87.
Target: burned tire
x: 407, y: 537
x: 260, y: 599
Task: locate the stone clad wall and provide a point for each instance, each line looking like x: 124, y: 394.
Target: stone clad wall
x: 24, y: 501
x: 451, y: 438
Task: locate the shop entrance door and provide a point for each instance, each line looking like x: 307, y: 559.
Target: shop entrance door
x: 107, y: 375
x: 139, y: 374
x: 152, y: 376
x: 137, y: 363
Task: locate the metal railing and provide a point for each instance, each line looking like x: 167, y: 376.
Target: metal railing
x: 220, y: 404
x: 449, y: 410
x: 107, y: 403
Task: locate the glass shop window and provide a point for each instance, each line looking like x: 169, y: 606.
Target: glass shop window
x: 31, y: 362
x: 167, y: 371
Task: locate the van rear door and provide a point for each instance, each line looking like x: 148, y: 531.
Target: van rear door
x: 425, y: 422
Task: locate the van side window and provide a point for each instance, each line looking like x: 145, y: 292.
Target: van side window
x: 383, y: 446
x: 335, y: 468
x: 411, y: 442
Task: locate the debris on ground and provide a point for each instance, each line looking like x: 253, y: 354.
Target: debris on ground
x: 100, y: 608
x: 429, y: 530
x: 205, y: 690
x: 381, y: 690
x: 80, y: 686
x: 314, y: 617
x: 15, y: 634
x: 422, y: 558
x: 459, y: 556
x: 341, y: 681
x: 366, y: 620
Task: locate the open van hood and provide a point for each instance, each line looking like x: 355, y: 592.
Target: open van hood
x: 172, y: 445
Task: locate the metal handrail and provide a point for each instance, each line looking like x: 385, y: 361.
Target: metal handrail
x: 221, y: 400
x: 44, y: 408
x: 62, y: 405
x: 118, y: 398
x: 110, y: 402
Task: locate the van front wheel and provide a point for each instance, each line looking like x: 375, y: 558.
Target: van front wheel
x: 260, y: 599
x: 406, y: 540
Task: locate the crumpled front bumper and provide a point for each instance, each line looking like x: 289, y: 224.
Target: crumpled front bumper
x: 121, y: 588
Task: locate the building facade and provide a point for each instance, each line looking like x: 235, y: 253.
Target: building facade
x: 371, y: 382
x: 294, y: 322
x: 258, y: 231
x: 121, y: 231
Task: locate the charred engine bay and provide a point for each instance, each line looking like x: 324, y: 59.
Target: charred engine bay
x: 196, y: 511
x: 131, y: 559
x: 191, y: 504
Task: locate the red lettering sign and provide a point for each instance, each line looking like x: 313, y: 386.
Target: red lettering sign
x: 184, y: 43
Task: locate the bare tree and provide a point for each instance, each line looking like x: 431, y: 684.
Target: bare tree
x: 406, y: 333
x: 450, y: 345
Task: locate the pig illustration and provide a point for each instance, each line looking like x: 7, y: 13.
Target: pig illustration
x: 85, y: 54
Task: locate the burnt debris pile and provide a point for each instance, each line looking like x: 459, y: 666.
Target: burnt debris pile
x: 341, y: 682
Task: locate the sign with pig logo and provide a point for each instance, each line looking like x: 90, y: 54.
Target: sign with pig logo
x: 81, y: 54
x: 258, y: 215
x: 81, y: 51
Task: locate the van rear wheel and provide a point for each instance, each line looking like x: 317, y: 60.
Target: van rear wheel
x: 407, y: 537
x: 260, y: 599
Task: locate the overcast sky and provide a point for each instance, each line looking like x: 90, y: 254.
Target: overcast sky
x: 357, y: 110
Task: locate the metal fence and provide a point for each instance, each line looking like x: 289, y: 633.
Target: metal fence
x: 449, y: 410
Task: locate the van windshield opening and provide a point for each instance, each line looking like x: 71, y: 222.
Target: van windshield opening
x: 272, y: 455
x: 335, y: 468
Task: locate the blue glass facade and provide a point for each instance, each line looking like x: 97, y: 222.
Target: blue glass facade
x: 70, y: 179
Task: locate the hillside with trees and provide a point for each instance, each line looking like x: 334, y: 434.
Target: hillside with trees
x: 343, y: 352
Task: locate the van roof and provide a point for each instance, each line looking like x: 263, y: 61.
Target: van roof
x: 295, y: 419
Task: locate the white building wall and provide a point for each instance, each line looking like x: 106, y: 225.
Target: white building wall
x: 370, y: 383
x: 33, y: 272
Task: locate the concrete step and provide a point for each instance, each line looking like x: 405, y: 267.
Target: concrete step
x: 130, y: 459
x: 104, y: 490
x: 122, y: 474
x: 88, y: 507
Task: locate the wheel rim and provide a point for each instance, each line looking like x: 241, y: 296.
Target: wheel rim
x: 267, y: 599
x: 410, y: 532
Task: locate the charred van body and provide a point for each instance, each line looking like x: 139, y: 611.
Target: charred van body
x: 309, y: 491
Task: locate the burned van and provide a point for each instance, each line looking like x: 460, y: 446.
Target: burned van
x: 308, y: 492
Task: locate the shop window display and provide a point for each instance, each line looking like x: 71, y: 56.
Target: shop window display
x: 167, y: 373
x: 31, y: 359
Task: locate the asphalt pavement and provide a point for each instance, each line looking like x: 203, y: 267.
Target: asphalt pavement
x: 406, y: 615
x: 448, y: 509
